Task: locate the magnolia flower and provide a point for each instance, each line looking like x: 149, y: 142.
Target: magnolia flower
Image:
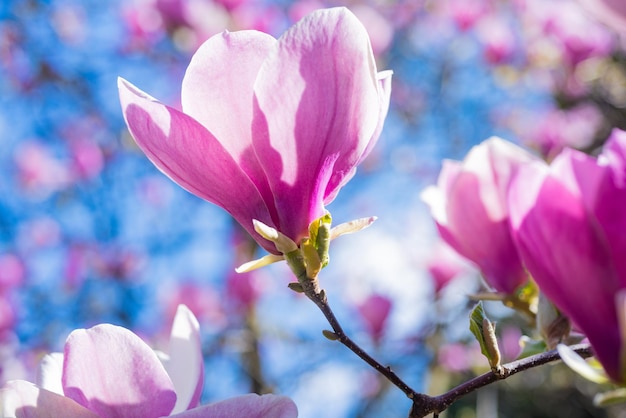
x: 569, y: 223
x: 270, y: 129
x: 374, y: 311
x: 107, y: 371
x: 444, y: 265
x: 470, y: 209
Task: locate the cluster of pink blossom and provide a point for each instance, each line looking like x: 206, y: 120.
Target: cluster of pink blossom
x: 568, y: 47
x: 233, y: 145
x: 107, y: 371
x: 272, y: 129
x: 516, y: 218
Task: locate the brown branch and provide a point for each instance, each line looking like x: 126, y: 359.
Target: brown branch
x: 322, y: 303
x: 423, y: 404
x: 437, y: 404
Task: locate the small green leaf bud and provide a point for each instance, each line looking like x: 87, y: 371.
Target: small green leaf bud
x: 330, y: 335
x: 296, y: 287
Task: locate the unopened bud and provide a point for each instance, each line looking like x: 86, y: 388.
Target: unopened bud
x: 491, y: 343
x: 296, y: 287
x: 330, y: 335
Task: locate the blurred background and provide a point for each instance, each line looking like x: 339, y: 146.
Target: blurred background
x: 91, y: 232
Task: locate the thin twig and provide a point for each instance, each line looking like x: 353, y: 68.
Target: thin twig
x: 438, y: 404
x: 322, y: 303
x: 422, y: 403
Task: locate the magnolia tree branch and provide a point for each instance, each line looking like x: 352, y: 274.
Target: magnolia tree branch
x: 424, y: 405
x: 338, y: 334
x: 437, y: 404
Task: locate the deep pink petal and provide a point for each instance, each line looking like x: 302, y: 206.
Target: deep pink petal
x: 317, y: 109
x: 604, y: 193
x: 185, y: 364
x: 21, y: 399
x: 249, y: 406
x: 188, y: 153
x: 217, y: 91
x: 111, y: 371
x: 566, y: 254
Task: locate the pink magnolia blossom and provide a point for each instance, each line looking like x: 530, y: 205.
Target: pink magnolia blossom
x: 375, y: 311
x: 470, y: 209
x: 444, y: 265
x: 569, y: 223
x: 107, y: 371
x: 270, y: 129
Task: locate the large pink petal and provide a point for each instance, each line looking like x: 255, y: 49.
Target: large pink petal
x: 318, y: 107
x: 566, y: 254
x: 480, y: 238
x: 217, y: 91
x: 190, y: 155
x: 604, y: 193
x: 111, y: 371
x: 21, y: 399
x: 342, y: 172
x: 185, y: 364
x: 249, y: 406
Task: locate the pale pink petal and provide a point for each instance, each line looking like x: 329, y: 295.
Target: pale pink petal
x: 185, y: 364
x: 190, y: 155
x: 111, y: 371
x: 21, y: 399
x: 50, y: 373
x: 341, y: 174
x: 248, y: 406
x: 317, y: 108
x: 217, y: 91
x: 610, y: 12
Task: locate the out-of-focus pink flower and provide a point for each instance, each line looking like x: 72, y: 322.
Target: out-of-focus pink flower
x: 469, y: 206
x: 300, y: 8
x: 510, y: 342
x: 569, y: 223
x: 204, y: 301
x: 242, y: 289
x: 458, y: 357
x: 558, y: 129
x: 257, y: 16
x: 378, y: 27
x: 38, y: 170
x: 465, y: 13
x: 375, y: 310
x: 69, y: 22
x: 576, y: 35
x: 610, y: 12
x: 107, y: 371
x: 497, y: 38
x: 12, y: 271
x: 444, y: 265
x: 7, y: 316
x: 271, y: 129
x: 87, y: 158
x: 143, y: 22
x: 38, y: 233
